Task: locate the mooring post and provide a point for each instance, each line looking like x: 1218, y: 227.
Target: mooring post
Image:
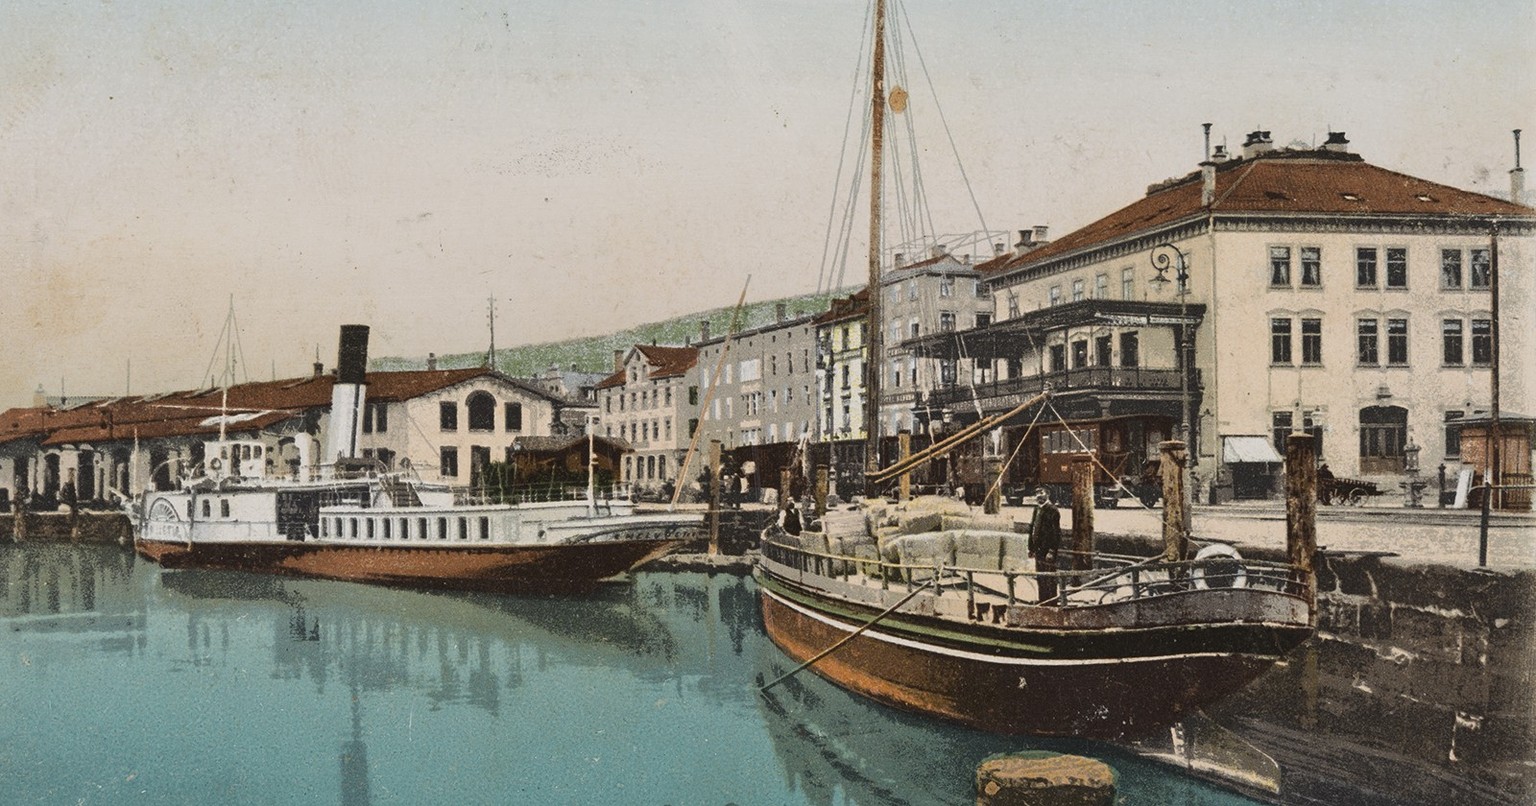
x: 821, y: 490
x: 904, y: 444
x: 1082, y: 512
x: 1175, y: 539
x: 1301, y: 513
x: 991, y: 468
x: 1482, y: 525
x: 714, y: 497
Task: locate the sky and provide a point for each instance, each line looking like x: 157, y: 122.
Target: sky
x: 597, y: 165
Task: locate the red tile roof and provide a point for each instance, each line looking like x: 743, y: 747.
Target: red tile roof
x: 664, y: 362
x: 850, y: 307
x: 1285, y: 183
x: 189, y: 412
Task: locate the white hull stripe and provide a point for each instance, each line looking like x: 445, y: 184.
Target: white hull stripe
x: 962, y: 654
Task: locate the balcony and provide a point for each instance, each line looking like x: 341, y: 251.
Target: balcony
x: 1125, y: 384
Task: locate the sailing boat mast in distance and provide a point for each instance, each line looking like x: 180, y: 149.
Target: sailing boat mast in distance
x: 874, y: 340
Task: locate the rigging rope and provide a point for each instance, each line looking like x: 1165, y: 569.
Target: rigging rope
x: 824, y: 275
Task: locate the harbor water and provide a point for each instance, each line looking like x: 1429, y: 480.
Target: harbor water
x: 126, y: 683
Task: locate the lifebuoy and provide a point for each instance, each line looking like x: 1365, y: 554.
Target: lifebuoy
x: 1238, y: 577
x: 215, y: 464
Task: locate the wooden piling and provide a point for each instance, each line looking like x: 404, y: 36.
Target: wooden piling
x: 991, y: 468
x: 1175, y: 538
x: 1301, y: 512
x: 821, y: 490
x: 714, y: 497
x: 786, y: 478
x: 1082, y: 511
x: 904, y: 442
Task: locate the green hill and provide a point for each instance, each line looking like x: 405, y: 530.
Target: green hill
x: 595, y: 353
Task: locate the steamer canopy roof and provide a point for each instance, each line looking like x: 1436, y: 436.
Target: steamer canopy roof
x: 1025, y: 334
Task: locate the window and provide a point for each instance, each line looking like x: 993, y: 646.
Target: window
x: 947, y: 373
x: 1280, y: 340
x: 1451, y: 348
x: 1482, y: 342
x: 1101, y: 286
x: 1311, y: 266
x: 1103, y: 348
x: 896, y: 372
x: 1077, y: 290
x: 513, y: 416
x: 1383, y: 431
x: 911, y: 289
x: 979, y: 289
x: 1397, y: 268
x: 448, y: 415
x: 1397, y: 342
x: 1450, y: 268
x: 1481, y: 275
x: 1058, y: 357
x: 1055, y: 294
x: 1130, y: 349
x: 1365, y: 267
x: 1128, y: 283
x: 1079, y: 353
x: 448, y: 461
x: 223, y: 507
x: 751, y: 369
x: 482, y: 411
x: 947, y: 287
x: 913, y: 330
x: 1280, y: 266
x: 946, y: 322
x: 693, y: 395
x: 983, y: 319
x: 1367, y: 349
x: 1280, y: 424
x: 1312, y: 341
x: 1453, y: 432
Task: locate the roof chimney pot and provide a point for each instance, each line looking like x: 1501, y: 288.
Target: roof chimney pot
x: 1040, y: 232
x: 1258, y: 142
x: 431, y: 361
x: 703, y: 330
x: 1336, y: 142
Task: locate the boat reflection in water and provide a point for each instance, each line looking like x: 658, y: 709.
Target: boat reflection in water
x: 225, y: 687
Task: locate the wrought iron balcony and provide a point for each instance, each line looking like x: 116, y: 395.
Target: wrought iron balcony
x: 1119, y: 382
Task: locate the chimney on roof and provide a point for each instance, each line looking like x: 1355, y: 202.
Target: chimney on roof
x: 1207, y: 183
x: 1026, y: 241
x: 1517, y: 176
x: 618, y: 360
x: 1040, y: 231
x: 703, y: 330
x: 780, y: 311
x: 431, y: 361
x: 319, y: 369
x: 1219, y: 154
x: 897, y: 259
x: 937, y: 250
x: 998, y: 249
x: 1336, y: 142
x: 1258, y: 142
x: 39, y: 397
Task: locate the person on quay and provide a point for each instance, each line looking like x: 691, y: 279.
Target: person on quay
x: 791, y: 522
x: 1045, y: 542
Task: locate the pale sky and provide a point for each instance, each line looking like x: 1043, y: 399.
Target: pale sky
x: 599, y: 165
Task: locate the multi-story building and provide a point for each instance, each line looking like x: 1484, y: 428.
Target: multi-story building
x: 648, y: 403
x: 1279, y: 291
x: 840, y: 358
x: 763, y: 392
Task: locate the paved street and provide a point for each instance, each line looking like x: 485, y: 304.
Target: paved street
x: 1446, y: 536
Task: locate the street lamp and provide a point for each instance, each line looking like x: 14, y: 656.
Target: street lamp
x: 1166, y: 256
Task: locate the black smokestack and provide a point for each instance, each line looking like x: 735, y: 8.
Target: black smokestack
x: 352, y: 355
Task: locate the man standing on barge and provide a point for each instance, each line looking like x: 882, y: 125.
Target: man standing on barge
x: 1045, y: 542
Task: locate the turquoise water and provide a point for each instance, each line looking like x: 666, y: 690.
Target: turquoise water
x: 124, y: 683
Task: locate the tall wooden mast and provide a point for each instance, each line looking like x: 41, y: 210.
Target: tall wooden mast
x: 874, y: 342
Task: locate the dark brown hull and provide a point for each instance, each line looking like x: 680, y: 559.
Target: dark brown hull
x: 487, y: 568
x: 1029, y: 682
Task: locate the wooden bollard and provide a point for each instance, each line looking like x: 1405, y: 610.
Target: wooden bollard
x: 991, y: 468
x: 821, y: 490
x: 904, y: 443
x: 1044, y: 779
x: 1082, y: 512
x: 714, y: 496
x: 1175, y: 539
x: 1301, y: 513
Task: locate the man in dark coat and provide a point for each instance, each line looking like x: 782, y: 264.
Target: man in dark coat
x: 792, y: 523
x: 1045, y: 542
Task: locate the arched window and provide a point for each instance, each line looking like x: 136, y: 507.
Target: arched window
x: 482, y: 411
x: 1383, y: 432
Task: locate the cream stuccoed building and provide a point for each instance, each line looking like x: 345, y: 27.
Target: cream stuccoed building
x: 1311, y: 290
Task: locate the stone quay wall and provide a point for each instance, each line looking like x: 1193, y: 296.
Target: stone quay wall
x: 83, y: 527
x: 1419, y: 687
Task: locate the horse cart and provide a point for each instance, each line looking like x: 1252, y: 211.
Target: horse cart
x: 1337, y: 490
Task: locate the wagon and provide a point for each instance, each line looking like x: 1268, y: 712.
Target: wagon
x: 1345, y: 491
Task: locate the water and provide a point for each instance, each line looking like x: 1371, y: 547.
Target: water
x: 125, y: 683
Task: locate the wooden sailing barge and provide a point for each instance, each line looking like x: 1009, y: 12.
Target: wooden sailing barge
x: 930, y: 610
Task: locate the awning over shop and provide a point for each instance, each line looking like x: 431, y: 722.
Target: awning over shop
x: 1248, y: 450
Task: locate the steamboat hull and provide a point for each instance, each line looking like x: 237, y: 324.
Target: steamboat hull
x: 483, y: 568
x: 1112, y: 685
